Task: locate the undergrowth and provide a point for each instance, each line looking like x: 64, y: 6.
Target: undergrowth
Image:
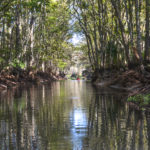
x: 141, y: 99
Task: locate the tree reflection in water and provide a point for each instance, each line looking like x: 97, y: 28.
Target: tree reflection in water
x: 70, y: 115
x: 115, y: 125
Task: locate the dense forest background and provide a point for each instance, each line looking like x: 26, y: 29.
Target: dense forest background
x: 117, y: 31
x: 36, y: 33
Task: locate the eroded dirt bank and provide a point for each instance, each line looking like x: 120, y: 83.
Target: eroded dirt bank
x: 131, y: 81
x: 14, y: 77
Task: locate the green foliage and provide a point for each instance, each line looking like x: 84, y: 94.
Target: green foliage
x: 60, y: 63
x: 47, y: 42
x: 137, y: 98
x: 112, y: 49
x: 140, y: 99
x: 112, y: 52
x: 147, y: 99
x: 54, y: 22
x: 18, y: 64
x: 84, y: 4
x: 1, y: 60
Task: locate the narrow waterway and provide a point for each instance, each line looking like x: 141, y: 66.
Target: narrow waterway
x: 70, y: 115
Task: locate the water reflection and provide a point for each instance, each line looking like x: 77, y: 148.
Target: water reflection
x: 70, y: 115
x: 79, y: 128
x: 114, y: 125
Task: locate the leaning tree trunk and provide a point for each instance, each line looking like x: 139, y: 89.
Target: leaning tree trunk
x: 147, y: 29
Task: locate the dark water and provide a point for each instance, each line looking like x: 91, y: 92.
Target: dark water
x: 70, y: 115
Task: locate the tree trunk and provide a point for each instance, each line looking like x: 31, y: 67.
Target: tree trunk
x: 32, y: 44
x: 147, y: 29
x: 131, y: 22
x: 138, y: 30
x: 17, y: 46
x: 125, y: 44
x: 3, y: 34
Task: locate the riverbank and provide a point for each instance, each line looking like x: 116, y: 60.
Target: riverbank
x: 16, y: 76
x: 132, y: 81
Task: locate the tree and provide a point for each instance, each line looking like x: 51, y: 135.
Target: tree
x: 114, y: 30
x: 147, y: 30
x: 33, y: 32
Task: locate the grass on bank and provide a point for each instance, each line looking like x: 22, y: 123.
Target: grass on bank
x: 141, y: 99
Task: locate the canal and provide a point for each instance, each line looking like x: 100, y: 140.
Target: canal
x: 71, y: 115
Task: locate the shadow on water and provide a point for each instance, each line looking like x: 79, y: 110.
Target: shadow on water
x: 70, y: 115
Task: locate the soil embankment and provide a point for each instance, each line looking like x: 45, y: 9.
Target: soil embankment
x: 14, y: 77
x: 131, y: 81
